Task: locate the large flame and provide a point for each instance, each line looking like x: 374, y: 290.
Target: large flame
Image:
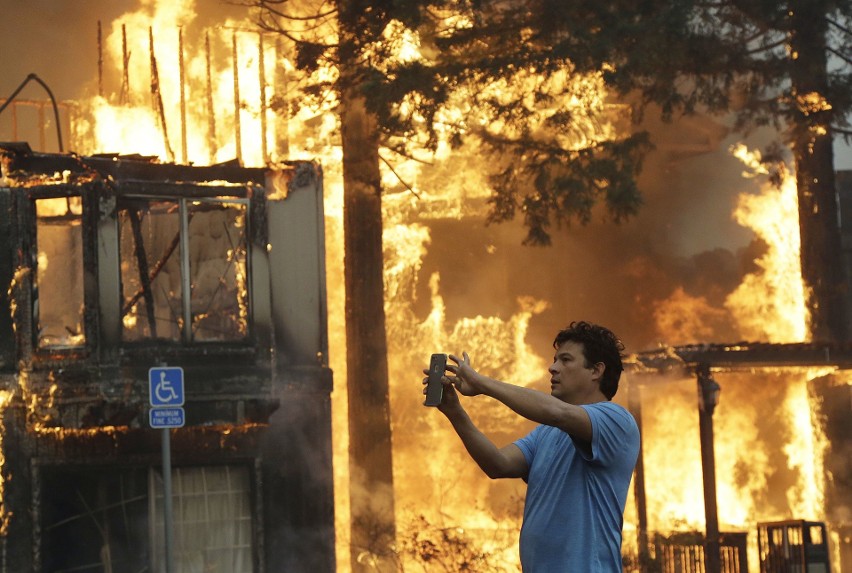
x: 768, y: 449
x: 770, y: 304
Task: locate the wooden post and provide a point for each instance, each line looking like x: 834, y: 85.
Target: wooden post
x: 634, y: 403
x: 182, y: 73
x: 211, y: 112
x: 261, y: 76
x: 237, y: 129
x: 706, y: 400
x: 100, y: 61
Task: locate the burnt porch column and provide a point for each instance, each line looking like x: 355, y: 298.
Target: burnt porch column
x: 708, y: 398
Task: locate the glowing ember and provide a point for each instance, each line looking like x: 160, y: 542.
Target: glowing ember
x: 5, y: 398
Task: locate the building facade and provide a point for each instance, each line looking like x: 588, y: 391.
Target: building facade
x: 114, y: 265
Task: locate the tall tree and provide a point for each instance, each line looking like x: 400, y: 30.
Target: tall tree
x: 336, y: 38
x: 373, y: 528
x: 477, y: 80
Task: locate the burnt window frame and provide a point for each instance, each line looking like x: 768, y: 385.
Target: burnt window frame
x: 29, y: 321
x: 47, y: 469
x: 185, y: 193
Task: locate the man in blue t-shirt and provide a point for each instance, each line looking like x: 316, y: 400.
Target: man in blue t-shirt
x: 577, y: 464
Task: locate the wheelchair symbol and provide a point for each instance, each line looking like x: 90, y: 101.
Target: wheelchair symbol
x: 164, y: 391
x: 165, y: 386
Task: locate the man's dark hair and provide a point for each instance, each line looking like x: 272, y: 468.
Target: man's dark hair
x: 599, y: 345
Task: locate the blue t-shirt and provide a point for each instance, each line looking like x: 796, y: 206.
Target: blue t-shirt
x: 574, y: 507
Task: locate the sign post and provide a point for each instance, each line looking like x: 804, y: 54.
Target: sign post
x: 165, y: 392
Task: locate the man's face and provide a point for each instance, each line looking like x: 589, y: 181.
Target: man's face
x: 570, y: 380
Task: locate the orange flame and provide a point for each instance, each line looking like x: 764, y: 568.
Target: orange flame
x: 770, y: 304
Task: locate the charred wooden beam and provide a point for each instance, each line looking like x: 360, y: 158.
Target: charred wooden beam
x: 144, y: 276
x: 747, y: 355
x: 154, y: 273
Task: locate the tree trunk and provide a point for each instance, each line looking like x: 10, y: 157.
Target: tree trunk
x: 821, y: 257
x: 373, y: 529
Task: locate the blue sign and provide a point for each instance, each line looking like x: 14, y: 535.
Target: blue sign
x: 165, y: 386
x: 166, y: 417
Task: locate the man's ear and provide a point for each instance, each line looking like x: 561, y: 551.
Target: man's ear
x: 598, y: 370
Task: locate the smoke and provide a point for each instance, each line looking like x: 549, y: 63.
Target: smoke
x: 684, y: 244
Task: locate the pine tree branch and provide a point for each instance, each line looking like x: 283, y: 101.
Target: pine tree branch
x: 268, y: 20
x: 839, y: 26
x: 767, y: 48
x: 843, y: 57
x: 278, y: 29
x: 265, y: 5
x: 408, y: 156
x: 399, y: 177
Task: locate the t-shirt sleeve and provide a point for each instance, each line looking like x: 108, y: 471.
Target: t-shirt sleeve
x: 613, y: 431
x: 528, y: 443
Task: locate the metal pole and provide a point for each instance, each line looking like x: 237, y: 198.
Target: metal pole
x: 11, y: 98
x: 167, y: 498
x: 712, y: 561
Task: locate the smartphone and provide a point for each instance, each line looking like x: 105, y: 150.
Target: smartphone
x: 434, y: 388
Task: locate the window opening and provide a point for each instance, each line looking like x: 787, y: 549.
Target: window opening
x: 169, y: 247
x: 100, y: 520
x: 58, y: 293
x: 149, y: 234
x: 217, y: 247
x: 94, y: 521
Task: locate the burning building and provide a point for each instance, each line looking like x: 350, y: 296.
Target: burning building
x: 116, y: 264
x: 796, y: 394
x: 87, y: 321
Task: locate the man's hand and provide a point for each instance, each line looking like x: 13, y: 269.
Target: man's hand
x: 449, y: 400
x: 466, y: 379
x: 506, y: 462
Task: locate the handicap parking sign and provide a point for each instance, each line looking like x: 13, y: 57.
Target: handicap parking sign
x: 165, y: 386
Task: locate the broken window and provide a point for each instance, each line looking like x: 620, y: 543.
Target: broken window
x: 94, y: 520
x: 169, y: 247
x: 101, y: 520
x: 58, y: 289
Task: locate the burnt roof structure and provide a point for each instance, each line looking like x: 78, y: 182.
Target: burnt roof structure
x: 20, y: 161
x: 743, y: 355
